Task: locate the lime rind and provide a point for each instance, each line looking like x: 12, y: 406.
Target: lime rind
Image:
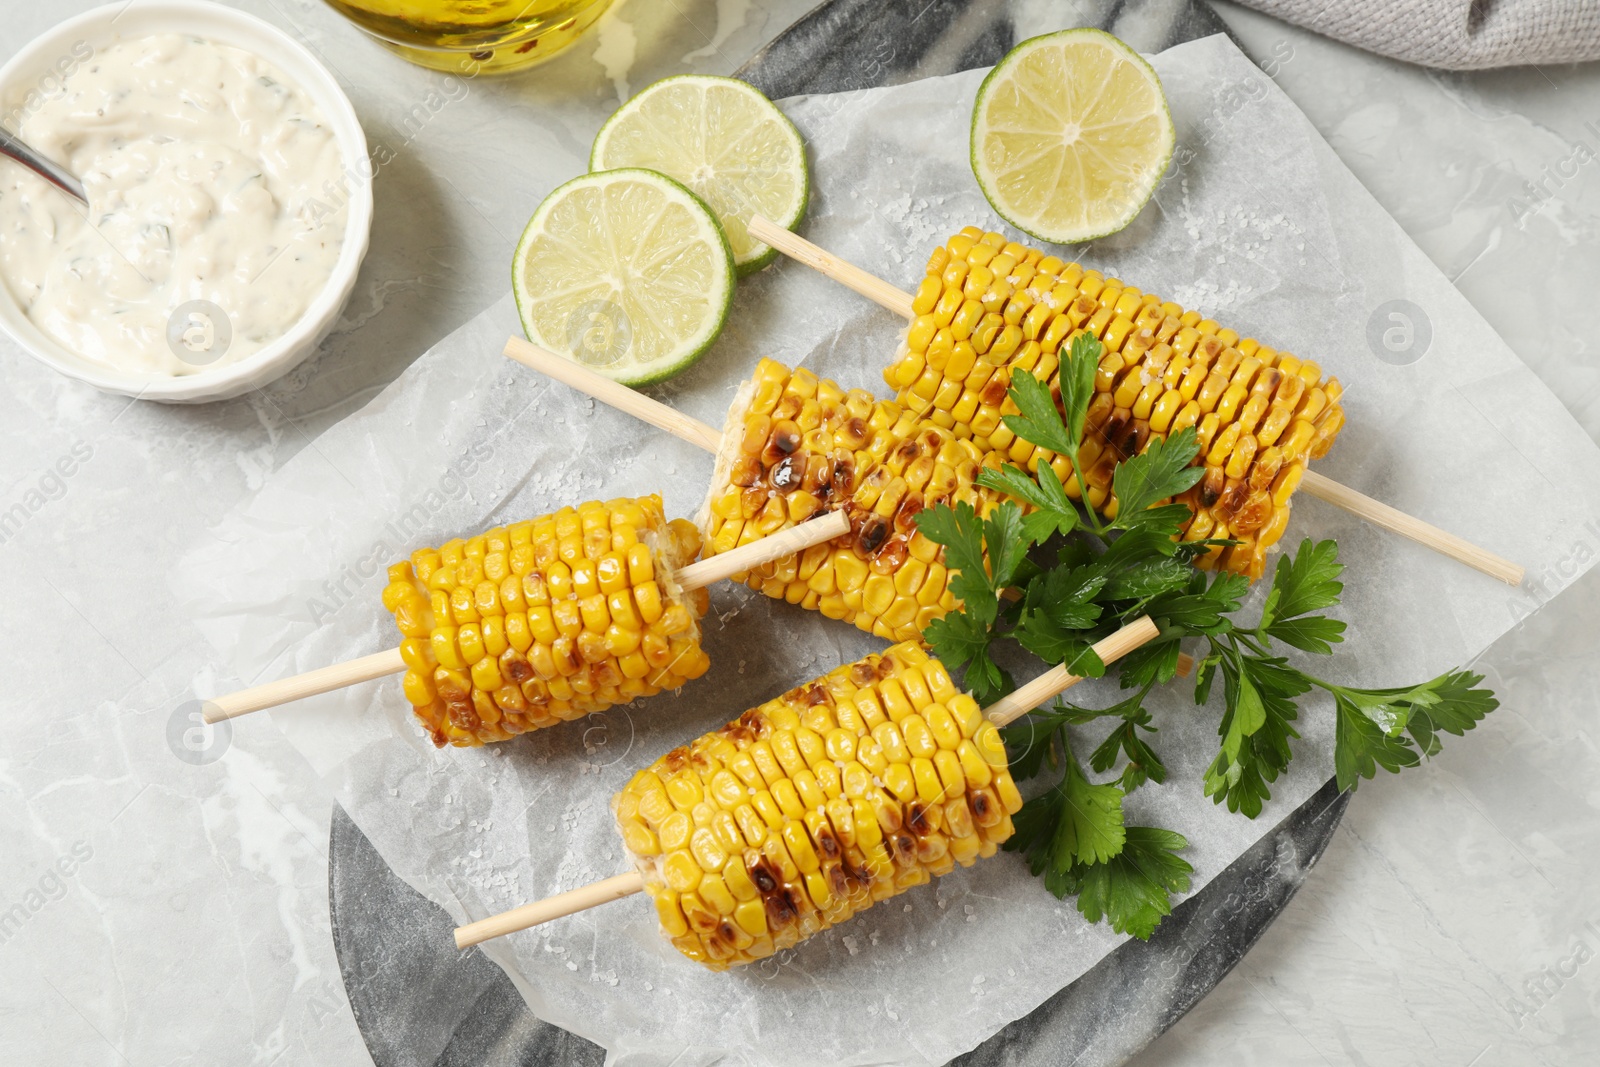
x: 789, y: 217
x: 1136, y: 203
x: 718, y: 293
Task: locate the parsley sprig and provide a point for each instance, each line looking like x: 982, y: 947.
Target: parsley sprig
x: 1082, y: 574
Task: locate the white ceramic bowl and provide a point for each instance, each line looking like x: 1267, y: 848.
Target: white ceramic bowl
x: 226, y: 26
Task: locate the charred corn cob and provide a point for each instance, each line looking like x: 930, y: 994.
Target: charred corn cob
x: 816, y: 805
x: 988, y: 308
x: 795, y: 446
x: 547, y: 620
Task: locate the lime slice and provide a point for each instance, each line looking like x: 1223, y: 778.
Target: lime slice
x: 724, y: 140
x: 1070, y: 135
x: 626, y: 272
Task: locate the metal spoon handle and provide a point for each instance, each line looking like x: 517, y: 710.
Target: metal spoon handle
x: 11, y: 145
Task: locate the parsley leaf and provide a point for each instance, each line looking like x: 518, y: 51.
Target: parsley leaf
x: 1165, y: 520
x: 1143, y: 763
x: 957, y: 637
x: 1075, y: 378
x: 1054, y: 643
x: 1149, y: 578
x: 1076, y: 822
x: 1246, y: 711
x: 1304, y: 582
x: 961, y: 640
x: 1374, y: 723
x: 1153, y: 664
x: 1002, y: 538
x: 1260, y: 694
x: 1053, y: 511
x: 1362, y: 744
x: 1038, y: 422
x: 1204, y: 674
x: 1132, y: 890
x: 1100, y: 575
x: 961, y: 533
x: 1314, y: 633
x: 1089, y: 828
x: 1135, y: 546
x: 1160, y: 471
x: 1067, y: 596
x: 1202, y: 608
x: 1461, y: 706
x: 1128, y: 707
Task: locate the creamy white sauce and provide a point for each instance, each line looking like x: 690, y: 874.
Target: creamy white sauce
x: 215, y: 186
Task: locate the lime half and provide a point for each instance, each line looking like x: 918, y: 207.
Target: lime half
x: 1070, y: 135
x: 625, y: 271
x: 725, y: 140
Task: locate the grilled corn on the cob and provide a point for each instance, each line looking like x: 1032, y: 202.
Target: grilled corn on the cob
x: 988, y: 308
x: 796, y: 445
x: 547, y: 620
x: 812, y: 807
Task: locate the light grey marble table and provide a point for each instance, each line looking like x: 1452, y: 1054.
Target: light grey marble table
x: 1451, y: 922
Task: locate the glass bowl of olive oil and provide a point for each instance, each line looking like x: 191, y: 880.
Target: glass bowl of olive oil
x: 474, y: 36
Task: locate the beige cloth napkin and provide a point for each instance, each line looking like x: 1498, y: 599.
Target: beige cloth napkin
x: 1454, y: 34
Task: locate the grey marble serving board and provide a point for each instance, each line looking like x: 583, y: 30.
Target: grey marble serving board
x: 419, y: 1002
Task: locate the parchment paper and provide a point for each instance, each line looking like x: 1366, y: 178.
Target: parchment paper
x: 1259, y: 225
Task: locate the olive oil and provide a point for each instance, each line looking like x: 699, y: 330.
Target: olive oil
x: 474, y: 36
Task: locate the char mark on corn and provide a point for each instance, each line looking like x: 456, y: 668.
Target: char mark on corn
x: 814, y: 806
x: 547, y: 620
x: 988, y: 308
x: 800, y: 446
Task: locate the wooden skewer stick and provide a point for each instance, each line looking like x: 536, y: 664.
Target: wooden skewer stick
x: 1358, y: 504
x: 694, y: 576
x: 1002, y: 712
x: 542, y: 911
x: 783, y: 543
x: 659, y: 415
x: 603, y: 389
x: 310, y: 684
x: 826, y: 263
x: 1057, y: 680
x: 1395, y: 521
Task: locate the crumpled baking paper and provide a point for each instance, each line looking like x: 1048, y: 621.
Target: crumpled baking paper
x: 1258, y: 225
